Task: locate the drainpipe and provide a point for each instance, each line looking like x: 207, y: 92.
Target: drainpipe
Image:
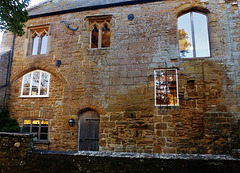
x: 8, y: 70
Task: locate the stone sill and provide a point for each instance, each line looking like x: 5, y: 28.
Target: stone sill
x: 96, y: 49
x: 18, y: 134
x: 34, y: 96
x: 167, y: 105
x: 194, y: 58
x: 43, y: 142
x: 38, y: 55
x: 189, y: 59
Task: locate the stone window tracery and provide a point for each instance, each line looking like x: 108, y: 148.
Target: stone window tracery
x: 100, y: 33
x: 38, y: 40
x: 193, y: 35
x: 35, y: 84
x: 166, y: 87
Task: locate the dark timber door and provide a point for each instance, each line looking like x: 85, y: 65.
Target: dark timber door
x: 89, y: 131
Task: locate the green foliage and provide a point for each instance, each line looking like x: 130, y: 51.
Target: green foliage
x: 13, y: 15
x: 8, y: 124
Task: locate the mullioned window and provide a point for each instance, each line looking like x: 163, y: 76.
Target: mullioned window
x: 38, y: 126
x: 100, y: 32
x: 38, y: 41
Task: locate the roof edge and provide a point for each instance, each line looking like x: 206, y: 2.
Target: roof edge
x: 37, y: 5
x: 94, y: 8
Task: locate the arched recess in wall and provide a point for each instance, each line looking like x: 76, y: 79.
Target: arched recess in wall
x: 37, y: 83
x: 89, y: 127
x: 48, y: 68
x: 56, y: 87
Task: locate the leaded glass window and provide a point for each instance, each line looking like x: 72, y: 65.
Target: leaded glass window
x: 166, y: 87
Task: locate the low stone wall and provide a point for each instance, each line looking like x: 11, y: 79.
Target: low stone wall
x: 109, y: 162
x: 16, y: 155
x: 13, y: 150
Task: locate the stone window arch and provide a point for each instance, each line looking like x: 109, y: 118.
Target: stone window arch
x: 38, y: 40
x: 100, y: 32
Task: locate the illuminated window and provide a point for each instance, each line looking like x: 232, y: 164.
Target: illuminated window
x: 35, y: 84
x: 166, y: 87
x: 100, y: 33
x: 39, y: 40
x: 193, y: 35
x: 40, y: 127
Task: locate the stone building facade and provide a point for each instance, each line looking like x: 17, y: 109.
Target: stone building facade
x: 4, y: 59
x: 121, y: 76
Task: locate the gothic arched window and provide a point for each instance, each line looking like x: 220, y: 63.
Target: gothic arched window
x: 100, y: 33
x: 39, y: 40
x: 193, y: 35
x: 106, y: 36
x: 95, y: 35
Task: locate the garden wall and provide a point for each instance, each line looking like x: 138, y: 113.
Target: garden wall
x: 16, y: 157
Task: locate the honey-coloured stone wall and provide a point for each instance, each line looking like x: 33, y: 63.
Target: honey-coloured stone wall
x: 118, y: 82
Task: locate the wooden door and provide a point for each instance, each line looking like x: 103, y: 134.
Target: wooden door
x: 89, y: 131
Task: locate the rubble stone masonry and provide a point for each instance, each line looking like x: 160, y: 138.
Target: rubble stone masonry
x: 16, y: 155
x: 118, y: 82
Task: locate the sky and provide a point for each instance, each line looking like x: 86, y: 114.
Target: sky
x: 33, y: 2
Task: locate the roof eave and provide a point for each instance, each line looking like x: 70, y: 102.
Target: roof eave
x: 93, y: 8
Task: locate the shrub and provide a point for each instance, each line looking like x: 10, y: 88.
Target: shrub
x: 8, y: 124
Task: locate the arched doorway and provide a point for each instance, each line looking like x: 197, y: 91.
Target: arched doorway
x: 89, y: 131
